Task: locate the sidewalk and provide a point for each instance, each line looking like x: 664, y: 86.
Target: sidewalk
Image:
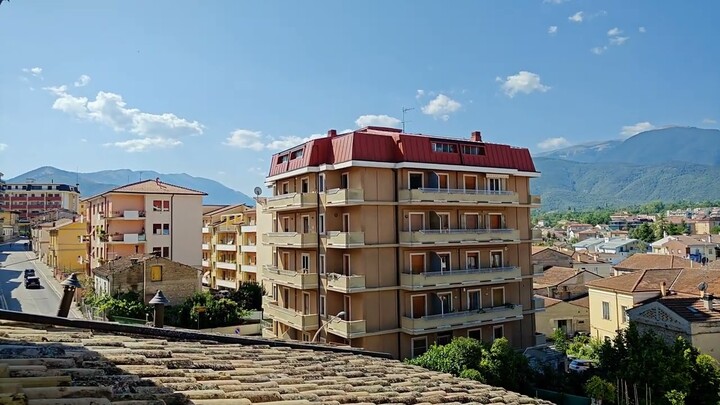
x: 46, y: 274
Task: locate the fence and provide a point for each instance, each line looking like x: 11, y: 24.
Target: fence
x: 562, y: 398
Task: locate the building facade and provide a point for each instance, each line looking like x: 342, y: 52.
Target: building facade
x: 66, y: 247
x: 392, y: 242
x: 32, y: 199
x: 143, y: 218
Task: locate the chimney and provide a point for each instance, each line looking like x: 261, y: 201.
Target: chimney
x: 663, y: 290
x: 331, y: 133
x: 708, y: 301
x: 476, y: 136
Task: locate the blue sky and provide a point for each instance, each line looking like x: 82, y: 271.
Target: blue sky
x: 212, y: 88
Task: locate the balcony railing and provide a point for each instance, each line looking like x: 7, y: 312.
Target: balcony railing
x: 126, y: 214
x: 248, y: 268
x: 345, y: 239
x: 467, y: 277
x: 346, y: 284
x: 205, y: 246
x: 227, y: 227
x: 289, y: 316
x: 205, y: 263
x: 292, y: 201
x: 538, y: 303
x: 226, y: 265
x: 291, y: 239
x: 205, y: 229
x: 126, y: 238
x: 347, y: 329
x: 461, y: 319
x: 248, y: 248
x: 290, y: 278
x: 229, y: 283
x: 344, y: 196
x: 460, y: 196
x: 226, y: 247
x: 459, y: 236
x: 248, y: 228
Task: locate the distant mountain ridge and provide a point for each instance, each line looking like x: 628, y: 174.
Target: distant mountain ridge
x: 102, y: 181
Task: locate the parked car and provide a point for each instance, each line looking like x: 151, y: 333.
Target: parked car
x: 32, y: 282
x: 29, y: 273
x: 580, y: 365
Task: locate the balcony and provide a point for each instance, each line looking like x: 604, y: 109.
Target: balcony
x: 537, y: 235
x: 457, y: 196
x: 205, y: 246
x: 535, y: 200
x: 288, y: 316
x: 248, y: 268
x: 126, y: 238
x: 291, y: 239
x: 226, y: 247
x: 461, y: 319
x: 205, y: 263
x: 434, y: 279
x: 127, y: 214
x: 248, y: 248
x: 459, y: 236
x: 345, y: 284
x: 248, y: 228
x: 227, y: 227
x: 538, y: 304
x: 226, y: 265
x: 292, y: 201
x: 337, y: 239
x: 303, y: 281
x: 344, y: 196
x: 347, y: 329
x: 230, y: 283
x: 205, y: 229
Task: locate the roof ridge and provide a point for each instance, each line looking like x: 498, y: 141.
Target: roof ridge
x: 639, y: 279
x: 676, y: 279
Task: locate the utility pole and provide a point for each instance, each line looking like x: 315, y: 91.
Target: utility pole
x: 404, y: 110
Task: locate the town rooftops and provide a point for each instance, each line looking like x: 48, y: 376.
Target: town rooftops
x: 105, y: 363
x: 554, y: 276
x: 638, y: 281
x: 539, y: 249
x: 582, y: 301
x: 150, y: 187
x: 225, y: 208
x: 685, y: 240
x: 691, y: 308
x: 391, y: 146
x: 648, y: 261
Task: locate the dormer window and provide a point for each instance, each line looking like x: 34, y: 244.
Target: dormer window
x: 473, y: 150
x: 282, y: 159
x: 444, y: 147
x: 296, y: 154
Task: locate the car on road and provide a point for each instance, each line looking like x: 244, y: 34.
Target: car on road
x: 32, y: 282
x: 29, y: 273
x: 580, y: 365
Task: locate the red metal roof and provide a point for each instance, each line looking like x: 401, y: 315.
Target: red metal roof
x: 390, y: 145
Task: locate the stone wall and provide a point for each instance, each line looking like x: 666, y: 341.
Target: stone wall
x: 179, y: 282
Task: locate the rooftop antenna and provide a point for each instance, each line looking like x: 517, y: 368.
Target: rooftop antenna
x: 404, y: 110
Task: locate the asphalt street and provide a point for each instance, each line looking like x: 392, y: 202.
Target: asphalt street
x: 14, y: 259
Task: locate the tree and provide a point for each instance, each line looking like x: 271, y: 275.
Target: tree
x: 218, y: 312
x: 126, y: 305
x: 600, y: 390
x: 505, y: 367
x: 715, y: 230
x: 643, y: 232
x: 455, y: 357
x: 560, y: 340
x: 675, y: 397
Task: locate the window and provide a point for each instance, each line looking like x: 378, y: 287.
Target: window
x: 623, y: 310
x: 161, y: 205
x: 157, y: 251
x: 166, y: 205
x: 344, y: 180
x: 166, y: 252
x: 418, y: 346
x: 305, y: 262
x: 321, y: 264
x: 472, y: 260
x: 475, y: 334
x: 306, y: 224
x: 321, y: 224
x: 166, y: 229
x: 321, y: 182
x: 445, y: 302
x: 296, y: 154
x: 306, y: 303
x: 156, y: 273
x: 285, y: 188
x: 282, y: 159
x: 496, y: 184
x: 498, y: 297
x: 161, y: 229
x: 305, y: 337
x: 304, y: 186
x: 606, y: 310
x: 444, y: 338
x: 473, y: 150
x: 444, y: 147
x: 474, y: 300
x: 323, y: 304
x: 415, y: 181
x: 496, y: 259
x: 498, y: 332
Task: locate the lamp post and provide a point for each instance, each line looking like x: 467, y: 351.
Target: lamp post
x: 70, y: 285
x: 339, y: 317
x: 158, y: 302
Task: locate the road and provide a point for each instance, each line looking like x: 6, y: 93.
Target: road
x: 13, y: 294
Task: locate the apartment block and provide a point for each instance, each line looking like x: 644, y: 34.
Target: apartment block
x: 148, y: 217
x: 229, y: 246
x: 32, y: 199
x: 392, y: 241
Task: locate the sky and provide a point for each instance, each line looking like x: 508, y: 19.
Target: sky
x: 213, y: 88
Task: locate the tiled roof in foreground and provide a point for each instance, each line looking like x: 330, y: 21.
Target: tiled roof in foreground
x: 82, y: 365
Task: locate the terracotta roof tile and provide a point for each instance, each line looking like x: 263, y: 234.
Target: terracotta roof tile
x: 691, y: 308
x: 581, y: 301
x: 648, y: 261
x: 104, y: 368
x: 152, y: 187
x: 638, y: 281
x: 554, y: 276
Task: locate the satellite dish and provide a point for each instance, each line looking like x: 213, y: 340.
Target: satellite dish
x: 257, y: 191
x: 702, y: 286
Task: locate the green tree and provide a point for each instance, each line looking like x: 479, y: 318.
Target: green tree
x: 218, y: 312
x: 126, y: 305
x: 560, y: 340
x: 715, y: 230
x: 600, y: 390
x: 454, y: 358
x: 505, y: 367
x: 675, y: 397
x: 643, y: 232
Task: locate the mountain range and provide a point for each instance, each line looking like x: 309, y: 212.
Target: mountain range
x: 99, y: 182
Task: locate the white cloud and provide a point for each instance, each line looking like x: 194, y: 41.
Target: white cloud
x: 441, y: 107
x: 553, y: 143
x: 599, y: 50
x: 630, y: 130
x: 82, y: 81
x: 555, y: 1
x: 709, y: 121
x: 35, y: 71
x: 145, y: 144
x: 552, y: 30
x: 522, y: 82
x: 246, y: 139
x: 420, y: 93
x: 642, y: 30
x: 3, y: 146
x: 83, y: 140
x: 377, y: 120
x: 618, y: 40
x: 287, y: 142
x: 614, y: 32
x: 577, y: 17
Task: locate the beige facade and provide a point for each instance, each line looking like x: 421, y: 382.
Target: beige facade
x: 33, y: 199
x: 229, y: 246
x: 409, y: 256
x: 608, y: 310
x: 144, y: 218
x: 571, y: 316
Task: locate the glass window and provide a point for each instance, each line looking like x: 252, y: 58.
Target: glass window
x: 498, y: 332
x: 444, y: 338
x: 606, y: 310
x: 419, y: 346
x: 475, y: 334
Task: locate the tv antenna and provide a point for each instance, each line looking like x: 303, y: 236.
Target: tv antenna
x: 404, y: 110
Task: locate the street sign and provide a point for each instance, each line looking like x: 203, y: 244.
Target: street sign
x: 237, y: 331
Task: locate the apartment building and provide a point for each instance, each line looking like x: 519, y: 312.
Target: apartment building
x: 145, y: 217
x: 32, y: 199
x: 66, y: 247
x: 392, y: 242
x: 229, y: 246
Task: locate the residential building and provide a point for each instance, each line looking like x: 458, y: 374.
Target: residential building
x: 146, y: 217
x: 563, y: 283
x: 31, y: 199
x: 413, y: 239
x: 228, y: 246
x: 649, y: 261
x: 146, y: 274
x: 10, y: 221
x: 543, y: 258
x: 40, y: 239
x: 589, y: 233
x: 615, y: 249
x: 570, y: 315
x: 572, y: 229
x: 593, y: 263
x: 695, y: 249
x: 705, y: 225
x: 67, y: 246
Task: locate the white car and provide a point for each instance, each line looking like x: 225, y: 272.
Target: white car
x: 580, y: 365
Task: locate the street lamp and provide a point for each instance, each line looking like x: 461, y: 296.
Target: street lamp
x: 70, y: 285
x: 340, y: 315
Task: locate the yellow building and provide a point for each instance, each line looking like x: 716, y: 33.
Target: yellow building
x: 570, y: 316
x: 9, y: 224
x: 392, y: 242
x: 66, y: 248
x: 229, y: 246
